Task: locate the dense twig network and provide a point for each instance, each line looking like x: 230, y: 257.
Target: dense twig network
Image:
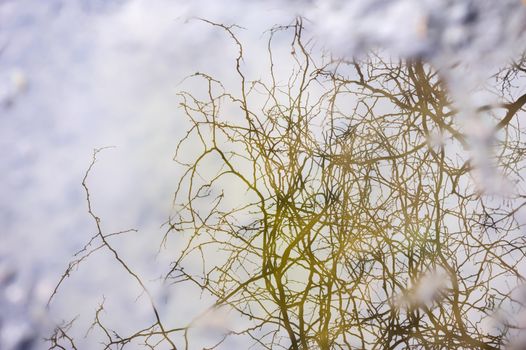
x: 336, y: 209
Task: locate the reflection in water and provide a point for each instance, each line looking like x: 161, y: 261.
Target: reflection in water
x: 373, y: 202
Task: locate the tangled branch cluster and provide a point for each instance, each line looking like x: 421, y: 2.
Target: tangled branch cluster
x: 336, y: 209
